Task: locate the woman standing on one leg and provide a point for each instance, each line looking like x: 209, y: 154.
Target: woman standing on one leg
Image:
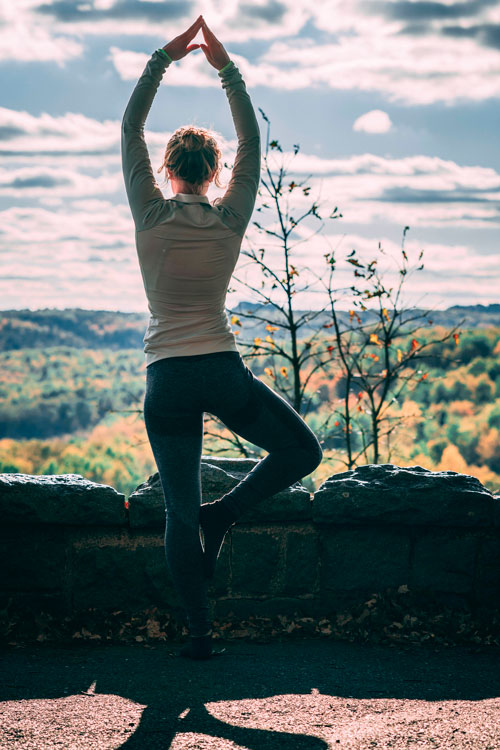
x: 188, y: 249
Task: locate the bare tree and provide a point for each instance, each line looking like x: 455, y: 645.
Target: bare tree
x: 387, y: 339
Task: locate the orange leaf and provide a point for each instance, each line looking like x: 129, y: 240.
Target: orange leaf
x: 414, y: 344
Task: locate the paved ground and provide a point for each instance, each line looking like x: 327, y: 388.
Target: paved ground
x: 310, y: 695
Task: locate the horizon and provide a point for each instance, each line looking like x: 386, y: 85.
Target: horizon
x: 297, y: 310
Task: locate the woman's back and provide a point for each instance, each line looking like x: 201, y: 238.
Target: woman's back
x: 187, y: 261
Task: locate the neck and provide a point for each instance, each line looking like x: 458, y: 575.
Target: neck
x: 187, y: 189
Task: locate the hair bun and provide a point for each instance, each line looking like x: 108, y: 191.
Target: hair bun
x: 179, y: 156
x: 192, y: 141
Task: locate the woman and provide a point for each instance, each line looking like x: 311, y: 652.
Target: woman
x: 187, y: 249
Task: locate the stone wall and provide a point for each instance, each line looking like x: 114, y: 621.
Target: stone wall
x: 68, y: 544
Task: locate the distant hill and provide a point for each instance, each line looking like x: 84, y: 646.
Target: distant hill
x: 105, y: 329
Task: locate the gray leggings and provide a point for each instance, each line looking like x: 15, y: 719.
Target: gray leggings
x: 178, y: 391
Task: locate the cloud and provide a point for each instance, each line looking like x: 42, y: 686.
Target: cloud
x: 75, y: 249
x: 69, y: 11
x: 409, y: 195
x: 417, y: 190
x: 409, y: 52
x: 375, y: 121
x: 424, y: 18
x: 474, y: 276
x: 404, y: 10
x: 411, y: 72
x: 80, y: 156
x: 40, y: 180
x: 72, y: 133
x: 22, y: 39
x: 36, y: 181
x: 407, y: 70
x: 90, y: 237
x: 270, y: 11
x: 232, y: 22
x: 194, y: 70
x: 486, y: 34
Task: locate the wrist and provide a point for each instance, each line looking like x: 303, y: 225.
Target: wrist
x: 227, y: 65
x: 163, y: 52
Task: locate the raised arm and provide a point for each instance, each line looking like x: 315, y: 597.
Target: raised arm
x: 239, y: 198
x: 145, y: 198
x: 244, y: 183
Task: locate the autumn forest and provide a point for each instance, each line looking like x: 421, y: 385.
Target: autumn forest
x: 73, y: 403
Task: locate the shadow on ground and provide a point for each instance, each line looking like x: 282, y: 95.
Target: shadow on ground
x: 149, y: 697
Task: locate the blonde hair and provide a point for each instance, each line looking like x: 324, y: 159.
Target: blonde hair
x: 192, y: 154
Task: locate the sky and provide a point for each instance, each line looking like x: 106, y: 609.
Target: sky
x: 394, y: 104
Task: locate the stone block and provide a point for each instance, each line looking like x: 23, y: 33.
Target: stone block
x: 365, y: 559
x: 257, y: 557
x: 122, y: 572
x: 403, y: 495
x: 233, y: 608
x: 30, y: 604
x: 487, y: 580
x: 147, y: 505
x: 292, y: 504
x: 218, y: 474
x: 59, y: 499
x: 302, y: 562
x: 33, y: 558
x: 443, y: 560
x: 346, y: 601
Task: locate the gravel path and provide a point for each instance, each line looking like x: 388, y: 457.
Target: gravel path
x: 310, y: 695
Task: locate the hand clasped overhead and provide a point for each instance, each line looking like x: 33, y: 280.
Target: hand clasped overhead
x: 213, y: 49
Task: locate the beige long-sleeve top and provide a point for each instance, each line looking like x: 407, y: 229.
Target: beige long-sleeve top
x: 188, y: 247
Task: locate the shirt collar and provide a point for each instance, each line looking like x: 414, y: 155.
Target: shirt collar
x: 190, y: 198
